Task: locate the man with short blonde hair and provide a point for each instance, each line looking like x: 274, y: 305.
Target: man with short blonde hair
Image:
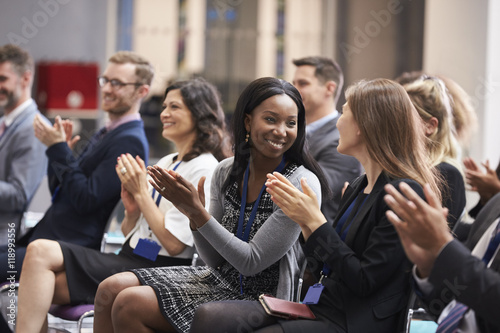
x: 86, y: 188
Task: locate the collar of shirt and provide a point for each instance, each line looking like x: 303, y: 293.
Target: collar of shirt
x: 9, y: 119
x: 312, y: 127
x: 111, y: 125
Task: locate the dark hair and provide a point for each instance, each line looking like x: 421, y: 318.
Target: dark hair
x: 203, y: 101
x: 254, y: 94
x: 409, y: 77
x: 21, y: 60
x: 326, y: 70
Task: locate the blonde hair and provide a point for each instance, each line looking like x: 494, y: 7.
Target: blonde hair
x: 464, y: 115
x: 392, y: 130
x: 143, y: 68
x: 430, y: 97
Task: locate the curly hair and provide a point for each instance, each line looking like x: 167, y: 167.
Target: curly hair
x: 203, y: 101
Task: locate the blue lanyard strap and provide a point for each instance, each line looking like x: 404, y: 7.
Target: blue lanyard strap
x: 158, y: 199
x: 239, y: 233
x: 346, y: 219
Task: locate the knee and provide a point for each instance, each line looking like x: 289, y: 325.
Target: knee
x: 204, y: 315
x: 125, y: 306
x: 112, y: 286
x: 39, y: 250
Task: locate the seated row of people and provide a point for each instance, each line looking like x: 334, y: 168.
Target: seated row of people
x: 253, y: 248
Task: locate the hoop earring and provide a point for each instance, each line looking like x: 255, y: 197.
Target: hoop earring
x: 247, y: 137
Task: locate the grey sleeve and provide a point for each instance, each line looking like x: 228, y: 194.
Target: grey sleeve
x: 271, y: 242
x: 27, y: 166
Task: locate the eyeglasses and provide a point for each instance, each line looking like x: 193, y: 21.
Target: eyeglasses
x: 102, y: 80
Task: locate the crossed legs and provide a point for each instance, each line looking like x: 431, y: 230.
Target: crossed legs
x: 43, y: 282
x: 122, y: 304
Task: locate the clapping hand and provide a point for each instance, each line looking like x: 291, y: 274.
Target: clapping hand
x: 486, y: 183
x: 301, y: 207
x: 183, y: 195
x: 68, y: 130
x: 49, y: 135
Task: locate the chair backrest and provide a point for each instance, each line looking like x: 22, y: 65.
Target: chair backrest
x: 41, y: 200
x: 113, y: 227
x: 417, y: 319
x: 37, y: 207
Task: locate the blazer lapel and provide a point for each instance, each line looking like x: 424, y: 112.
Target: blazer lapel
x: 350, y: 194
x: 17, y: 122
x: 488, y: 214
x: 360, y: 217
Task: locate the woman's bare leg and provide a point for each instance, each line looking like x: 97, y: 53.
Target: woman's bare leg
x: 136, y: 310
x: 44, y: 260
x: 105, y: 297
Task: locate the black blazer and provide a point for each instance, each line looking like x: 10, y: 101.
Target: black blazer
x: 458, y: 274
x: 368, y: 287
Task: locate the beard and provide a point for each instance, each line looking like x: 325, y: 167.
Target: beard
x: 10, y: 101
x: 119, y: 105
x: 119, y: 110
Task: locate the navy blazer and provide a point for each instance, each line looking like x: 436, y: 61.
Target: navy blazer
x: 85, y: 189
x: 458, y: 274
x: 22, y: 167
x: 368, y: 287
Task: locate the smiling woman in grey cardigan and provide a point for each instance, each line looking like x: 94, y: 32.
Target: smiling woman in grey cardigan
x: 248, y: 243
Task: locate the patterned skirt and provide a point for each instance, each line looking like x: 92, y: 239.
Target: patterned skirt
x: 180, y: 290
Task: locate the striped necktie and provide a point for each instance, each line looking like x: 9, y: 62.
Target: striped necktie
x: 452, y: 320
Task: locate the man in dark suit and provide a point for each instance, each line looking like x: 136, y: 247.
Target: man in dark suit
x: 22, y: 156
x: 83, y: 181
x: 319, y: 81
x: 452, y: 279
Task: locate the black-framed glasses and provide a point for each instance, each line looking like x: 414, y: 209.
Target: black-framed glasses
x: 102, y: 80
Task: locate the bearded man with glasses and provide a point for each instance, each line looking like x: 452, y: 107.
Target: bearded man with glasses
x: 83, y: 181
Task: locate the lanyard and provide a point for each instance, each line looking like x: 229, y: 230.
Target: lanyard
x: 158, y: 199
x: 239, y: 232
x: 353, y: 211
x: 349, y: 215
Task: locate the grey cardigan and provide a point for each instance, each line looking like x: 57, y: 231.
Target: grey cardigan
x: 276, y: 240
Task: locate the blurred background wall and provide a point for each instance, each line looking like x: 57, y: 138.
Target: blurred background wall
x: 232, y: 42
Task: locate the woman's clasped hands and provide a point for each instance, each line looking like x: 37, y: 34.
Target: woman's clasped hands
x: 301, y: 207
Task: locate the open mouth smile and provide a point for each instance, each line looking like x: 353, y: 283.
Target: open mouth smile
x: 277, y: 145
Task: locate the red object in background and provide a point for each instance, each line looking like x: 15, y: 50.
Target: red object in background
x: 67, y: 88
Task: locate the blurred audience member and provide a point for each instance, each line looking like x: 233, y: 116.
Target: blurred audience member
x: 430, y: 98
x: 22, y: 157
x: 83, y: 183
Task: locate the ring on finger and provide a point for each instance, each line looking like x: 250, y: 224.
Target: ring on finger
x: 123, y: 171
